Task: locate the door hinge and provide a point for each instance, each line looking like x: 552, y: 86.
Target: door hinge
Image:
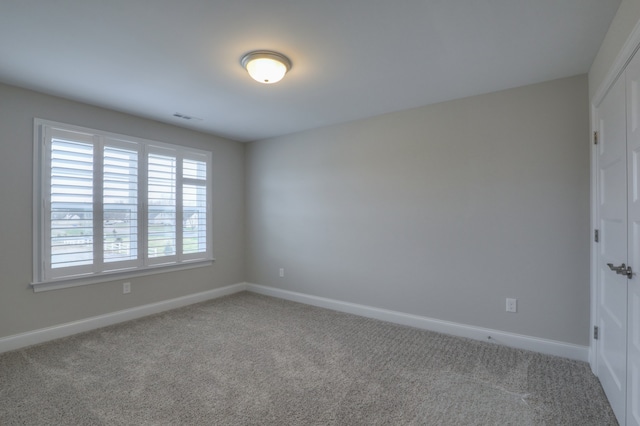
x: 595, y: 137
x: 596, y: 236
x: 595, y: 333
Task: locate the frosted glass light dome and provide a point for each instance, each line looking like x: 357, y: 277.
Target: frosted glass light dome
x: 266, y: 67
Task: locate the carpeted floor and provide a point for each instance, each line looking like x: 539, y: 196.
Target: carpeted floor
x: 248, y: 359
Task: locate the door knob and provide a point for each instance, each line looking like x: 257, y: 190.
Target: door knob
x: 621, y: 270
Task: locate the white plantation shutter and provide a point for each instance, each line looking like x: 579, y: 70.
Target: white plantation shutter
x: 194, y: 207
x: 162, y: 212
x: 70, y: 214
x: 115, y: 204
x: 120, y: 204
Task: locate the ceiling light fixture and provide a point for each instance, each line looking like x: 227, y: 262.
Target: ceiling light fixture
x: 265, y: 66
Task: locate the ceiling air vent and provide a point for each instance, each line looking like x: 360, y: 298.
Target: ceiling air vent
x: 186, y: 117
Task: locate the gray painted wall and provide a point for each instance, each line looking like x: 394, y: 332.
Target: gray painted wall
x: 442, y: 211
x: 22, y: 310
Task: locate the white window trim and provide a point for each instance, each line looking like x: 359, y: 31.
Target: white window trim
x: 116, y: 275
x: 146, y: 266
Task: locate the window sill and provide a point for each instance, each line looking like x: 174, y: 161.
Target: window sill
x: 115, y: 276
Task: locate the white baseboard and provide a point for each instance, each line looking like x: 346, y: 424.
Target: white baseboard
x: 549, y: 347
x: 545, y: 346
x: 42, y: 335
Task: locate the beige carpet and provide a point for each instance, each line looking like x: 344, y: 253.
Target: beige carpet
x: 248, y: 359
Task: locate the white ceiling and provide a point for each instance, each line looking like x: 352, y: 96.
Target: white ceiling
x: 351, y: 58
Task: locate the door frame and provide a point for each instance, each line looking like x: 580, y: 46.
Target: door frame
x: 617, y: 67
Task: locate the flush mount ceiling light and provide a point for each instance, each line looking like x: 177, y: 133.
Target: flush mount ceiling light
x: 265, y: 66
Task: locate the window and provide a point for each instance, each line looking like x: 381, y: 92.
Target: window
x: 109, y: 204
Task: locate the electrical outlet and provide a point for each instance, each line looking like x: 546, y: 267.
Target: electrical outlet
x: 281, y: 272
x: 512, y: 305
x: 126, y: 288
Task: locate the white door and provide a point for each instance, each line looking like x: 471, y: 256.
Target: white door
x: 633, y: 165
x: 612, y: 215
